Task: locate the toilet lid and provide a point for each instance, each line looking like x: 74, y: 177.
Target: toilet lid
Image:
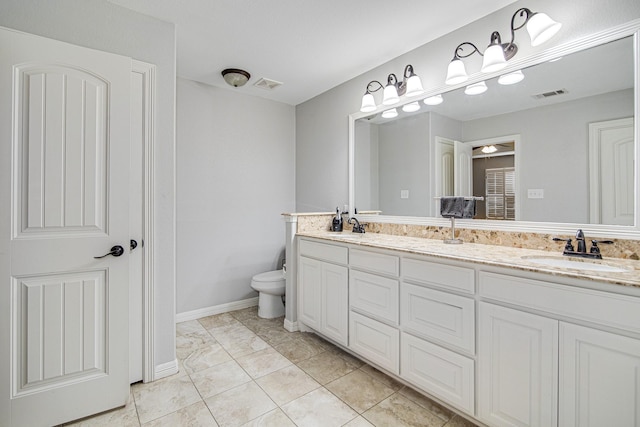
x: 269, y: 276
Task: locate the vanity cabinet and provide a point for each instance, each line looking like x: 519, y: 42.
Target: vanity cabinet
x: 541, y: 369
x: 505, y: 346
x: 323, y: 289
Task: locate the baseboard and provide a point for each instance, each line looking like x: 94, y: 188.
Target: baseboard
x: 216, y: 309
x: 165, y: 369
x: 291, y: 326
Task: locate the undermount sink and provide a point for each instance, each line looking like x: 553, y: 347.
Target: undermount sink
x: 583, y: 264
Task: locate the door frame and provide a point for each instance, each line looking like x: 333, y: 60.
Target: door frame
x: 148, y: 74
x: 517, y: 162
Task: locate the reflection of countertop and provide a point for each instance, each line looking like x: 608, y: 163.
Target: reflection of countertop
x: 499, y: 256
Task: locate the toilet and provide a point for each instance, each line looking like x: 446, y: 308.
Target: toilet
x: 271, y: 287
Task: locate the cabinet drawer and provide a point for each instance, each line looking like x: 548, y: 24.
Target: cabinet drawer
x: 323, y: 251
x: 375, y: 262
x: 439, y: 315
x: 374, y: 295
x: 605, y: 308
x: 375, y: 341
x: 447, y: 375
x: 441, y: 275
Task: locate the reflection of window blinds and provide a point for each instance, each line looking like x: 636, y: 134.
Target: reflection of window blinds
x: 500, y: 194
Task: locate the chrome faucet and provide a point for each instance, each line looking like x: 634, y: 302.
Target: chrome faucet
x: 357, y: 227
x: 581, y: 250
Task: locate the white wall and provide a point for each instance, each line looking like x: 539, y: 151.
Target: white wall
x: 236, y: 176
x: 404, y: 165
x: 101, y: 25
x: 322, y: 122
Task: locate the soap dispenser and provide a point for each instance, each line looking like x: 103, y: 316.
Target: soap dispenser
x: 336, y: 224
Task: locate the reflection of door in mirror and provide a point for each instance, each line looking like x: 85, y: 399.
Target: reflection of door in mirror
x: 463, y: 169
x: 611, y: 150
x: 444, y: 167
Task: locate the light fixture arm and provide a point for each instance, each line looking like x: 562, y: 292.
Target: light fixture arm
x: 457, y: 54
x: 372, y: 88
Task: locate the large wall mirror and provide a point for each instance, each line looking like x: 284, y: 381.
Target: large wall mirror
x: 555, y: 150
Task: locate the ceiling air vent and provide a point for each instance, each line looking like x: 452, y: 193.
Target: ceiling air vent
x: 267, y: 84
x: 550, y: 94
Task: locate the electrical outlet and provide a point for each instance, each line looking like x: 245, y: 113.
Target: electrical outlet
x: 404, y: 194
x: 535, y: 193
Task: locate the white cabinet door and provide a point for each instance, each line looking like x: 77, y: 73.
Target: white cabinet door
x: 334, y: 302
x: 323, y: 298
x: 517, y: 368
x: 599, y: 378
x: 309, y: 284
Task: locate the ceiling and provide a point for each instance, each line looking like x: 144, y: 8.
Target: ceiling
x: 310, y: 46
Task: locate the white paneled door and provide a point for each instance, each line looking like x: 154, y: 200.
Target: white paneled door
x: 64, y: 192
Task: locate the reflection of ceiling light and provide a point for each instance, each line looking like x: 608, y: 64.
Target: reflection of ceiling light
x: 476, y: 88
x: 235, y: 77
x: 555, y: 59
x: 434, y: 100
x: 411, y: 107
x: 488, y: 149
x: 390, y: 114
x: 511, y: 78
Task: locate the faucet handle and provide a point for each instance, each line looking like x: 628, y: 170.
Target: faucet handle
x: 568, y: 247
x: 595, y: 249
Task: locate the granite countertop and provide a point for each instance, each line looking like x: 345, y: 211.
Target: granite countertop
x: 500, y: 256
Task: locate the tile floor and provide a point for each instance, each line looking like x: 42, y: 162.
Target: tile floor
x: 239, y: 370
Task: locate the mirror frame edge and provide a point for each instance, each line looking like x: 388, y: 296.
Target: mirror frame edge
x: 631, y: 28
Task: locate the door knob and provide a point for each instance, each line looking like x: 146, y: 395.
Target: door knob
x: 115, y: 251
x: 132, y: 244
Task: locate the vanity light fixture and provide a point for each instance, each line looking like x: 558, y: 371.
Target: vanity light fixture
x: 434, y: 100
x: 410, y: 86
x: 235, y: 77
x: 476, y: 88
x: 390, y: 114
x: 511, y: 78
x: 539, y: 26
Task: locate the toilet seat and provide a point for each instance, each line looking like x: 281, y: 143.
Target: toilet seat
x: 269, y: 276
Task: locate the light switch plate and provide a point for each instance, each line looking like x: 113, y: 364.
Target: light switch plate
x: 404, y: 194
x: 535, y: 193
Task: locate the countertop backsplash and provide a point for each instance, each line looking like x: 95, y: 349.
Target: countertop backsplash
x: 622, y: 248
